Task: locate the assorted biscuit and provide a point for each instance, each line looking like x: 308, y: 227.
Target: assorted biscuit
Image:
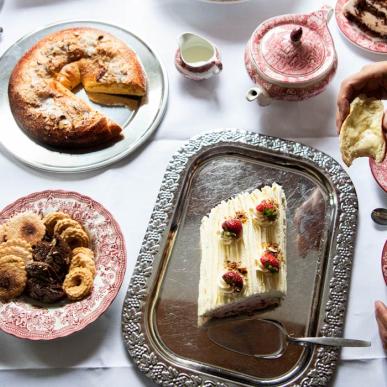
x: 46, y: 259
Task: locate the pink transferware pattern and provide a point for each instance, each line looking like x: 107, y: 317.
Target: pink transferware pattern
x: 355, y: 35
x: 384, y: 262
x: 44, y: 322
x: 288, y: 70
x: 379, y: 171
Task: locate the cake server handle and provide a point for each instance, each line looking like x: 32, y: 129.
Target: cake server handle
x: 331, y: 341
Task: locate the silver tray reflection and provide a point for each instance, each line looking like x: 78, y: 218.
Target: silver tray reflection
x: 159, y: 320
x: 139, y: 119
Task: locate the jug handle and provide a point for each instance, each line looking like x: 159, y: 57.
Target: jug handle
x: 260, y: 94
x: 218, y: 66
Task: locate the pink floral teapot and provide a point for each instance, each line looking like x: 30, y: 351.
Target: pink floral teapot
x: 291, y: 57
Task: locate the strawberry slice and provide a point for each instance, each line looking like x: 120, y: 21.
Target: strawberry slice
x: 269, y: 209
x: 233, y: 279
x: 232, y: 228
x: 270, y: 261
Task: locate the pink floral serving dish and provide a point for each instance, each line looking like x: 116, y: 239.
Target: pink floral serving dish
x: 29, y: 319
x: 355, y: 35
x: 379, y: 171
x: 291, y: 57
x: 384, y: 263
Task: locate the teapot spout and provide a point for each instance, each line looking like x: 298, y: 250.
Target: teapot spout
x: 260, y: 94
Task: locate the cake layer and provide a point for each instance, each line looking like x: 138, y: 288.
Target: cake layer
x: 369, y: 15
x: 242, y: 255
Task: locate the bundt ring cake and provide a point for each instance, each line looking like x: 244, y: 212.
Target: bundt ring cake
x: 41, y: 84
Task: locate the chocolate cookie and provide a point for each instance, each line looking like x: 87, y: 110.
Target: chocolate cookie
x: 56, y: 254
x: 41, y: 250
x: 59, y: 257
x: 43, y: 283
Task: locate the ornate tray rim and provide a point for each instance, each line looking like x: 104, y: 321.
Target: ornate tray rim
x: 135, y: 335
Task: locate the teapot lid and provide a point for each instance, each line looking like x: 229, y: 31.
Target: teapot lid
x: 294, y: 49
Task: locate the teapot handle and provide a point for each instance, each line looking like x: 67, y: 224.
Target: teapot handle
x: 327, y: 12
x: 260, y: 94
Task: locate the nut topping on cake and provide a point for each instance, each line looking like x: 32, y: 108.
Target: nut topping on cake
x: 232, y: 230
x: 234, y: 280
x: 241, y: 215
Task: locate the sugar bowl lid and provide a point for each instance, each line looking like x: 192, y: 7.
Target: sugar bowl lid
x: 294, y: 49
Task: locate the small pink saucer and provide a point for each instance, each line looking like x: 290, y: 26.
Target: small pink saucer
x: 357, y: 36
x: 379, y: 172
x: 384, y: 262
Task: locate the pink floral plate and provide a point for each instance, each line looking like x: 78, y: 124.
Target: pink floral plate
x: 355, y: 35
x: 23, y: 318
x: 379, y: 172
x: 384, y: 262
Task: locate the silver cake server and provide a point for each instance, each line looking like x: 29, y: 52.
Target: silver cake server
x: 267, y: 339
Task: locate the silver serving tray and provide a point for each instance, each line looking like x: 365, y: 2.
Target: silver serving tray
x: 139, y: 119
x: 159, y: 318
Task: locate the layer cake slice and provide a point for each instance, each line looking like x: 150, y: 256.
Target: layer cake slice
x: 369, y: 15
x: 243, y: 248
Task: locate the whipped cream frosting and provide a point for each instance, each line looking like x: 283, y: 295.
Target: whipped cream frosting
x: 214, y: 293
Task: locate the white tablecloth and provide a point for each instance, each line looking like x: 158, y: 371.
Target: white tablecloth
x: 96, y: 356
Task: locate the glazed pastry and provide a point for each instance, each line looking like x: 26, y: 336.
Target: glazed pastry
x: 27, y: 226
x: 361, y: 134
x: 40, y: 86
x: 249, y: 272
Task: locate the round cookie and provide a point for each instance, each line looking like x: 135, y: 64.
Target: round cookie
x: 12, y: 260
x: 27, y: 226
x: 17, y: 242
x: 51, y: 219
x: 83, y: 261
x: 78, y: 283
x: 62, y: 224
x: 75, y: 237
x: 13, y: 278
x: 18, y: 251
x: 3, y: 232
x: 83, y: 250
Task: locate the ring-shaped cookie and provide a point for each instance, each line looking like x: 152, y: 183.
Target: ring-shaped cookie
x: 78, y: 283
